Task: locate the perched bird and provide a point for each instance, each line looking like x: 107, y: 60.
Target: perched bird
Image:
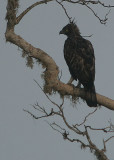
x: 79, y: 56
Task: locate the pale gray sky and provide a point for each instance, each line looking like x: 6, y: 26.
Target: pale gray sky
x: 22, y: 137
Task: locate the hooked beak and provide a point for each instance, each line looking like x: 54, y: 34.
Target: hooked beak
x: 61, y: 32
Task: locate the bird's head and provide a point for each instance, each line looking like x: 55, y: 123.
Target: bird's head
x: 70, y: 29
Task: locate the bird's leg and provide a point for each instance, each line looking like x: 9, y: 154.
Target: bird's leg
x: 71, y: 80
x: 78, y: 85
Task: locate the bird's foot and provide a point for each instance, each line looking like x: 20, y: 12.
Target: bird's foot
x: 72, y: 85
x: 78, y: 85
x: 70, y: 81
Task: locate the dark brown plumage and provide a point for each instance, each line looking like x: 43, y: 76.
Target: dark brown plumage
x: 79, y: 56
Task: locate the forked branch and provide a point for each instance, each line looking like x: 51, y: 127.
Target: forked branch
x: 66, y: 134
x: 29, y: 8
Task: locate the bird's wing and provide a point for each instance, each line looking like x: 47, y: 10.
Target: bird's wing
x: 85, y: 50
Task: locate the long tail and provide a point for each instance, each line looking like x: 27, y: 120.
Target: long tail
x: 92, y: 100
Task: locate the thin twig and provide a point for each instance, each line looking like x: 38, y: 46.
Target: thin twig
x: 79, y: 141
x: 104, y: 143
x: 109, y: 139
x: 102, y: 21
x: 51, y: 125
x: 39, y: 108
x: 86, y: 118
x: 99, y: 2
x: 35, y: 117
x: 60, y: 3
x: 86, y: 3
x: 90, y: 2
x: 18, y: 19
x: 46, y: 95
x: 100, y: 129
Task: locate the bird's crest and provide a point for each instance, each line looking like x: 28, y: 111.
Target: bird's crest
x: 75, y: 28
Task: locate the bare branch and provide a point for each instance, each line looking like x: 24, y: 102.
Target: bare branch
x: 104, y: 143
x: 104, y: 149
x: 52, y: 126
x: 37, y: 107
x: 61, y: 113
x: 100, y: 129
x: 47, y: 95
x: 65, y: 134
x: 98, y: 153
x: 86, y: 118
x: 35, y: 117
x: 88, y: 137
x: 109, y: 139
x: 86, y: 3
x: 60, y: 3
x: 76, y: 130
x: 18, y: 19
x: 102, y: 21
x: 90, y: 2
x: 99, y: 2
x: 83, y: 145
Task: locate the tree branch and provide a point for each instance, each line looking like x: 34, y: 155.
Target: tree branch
x: 18, y: 19
x: 60, y: 3
x: 93, y: 148
x: 98, y: 153
x: 86, y: 118
x: 51, y: 73
x: 87, y: 3
x: 99, y: 2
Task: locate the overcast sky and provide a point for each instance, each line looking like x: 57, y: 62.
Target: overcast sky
x: 22, y: 137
